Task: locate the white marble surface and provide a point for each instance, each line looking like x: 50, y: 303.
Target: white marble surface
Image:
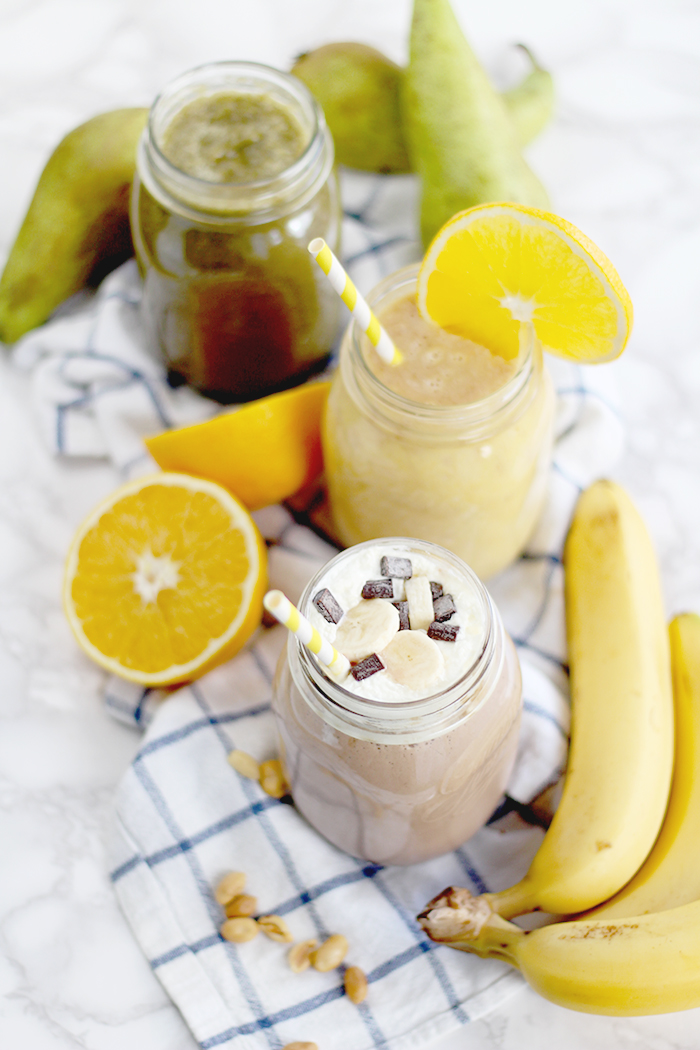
x: 622, y: 161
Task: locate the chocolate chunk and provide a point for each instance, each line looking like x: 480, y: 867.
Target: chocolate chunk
x: 398, y: 568
x: 328, y: 606
x: 367, y: 667
x: 402, y: 610
x: 378, y: 589
x: 444, y: 632
x: 444, y: 607
x: 435, y: 589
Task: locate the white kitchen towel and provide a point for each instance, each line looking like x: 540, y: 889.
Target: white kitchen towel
x: 184, y: 817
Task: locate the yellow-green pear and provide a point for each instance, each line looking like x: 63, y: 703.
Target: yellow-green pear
x: 77, y: 225
x: 530, y: 103
x: 460, y: 138
x: 358, y: 90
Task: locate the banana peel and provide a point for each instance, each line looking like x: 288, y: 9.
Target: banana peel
x: 670, y: 876
x: 77, y: 227
x: 618, y: 779
x: 645, y: 964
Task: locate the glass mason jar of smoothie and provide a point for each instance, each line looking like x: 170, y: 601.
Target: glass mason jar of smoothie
x: 453, y: 445
x: 234, y: 178
x: 390, y: 766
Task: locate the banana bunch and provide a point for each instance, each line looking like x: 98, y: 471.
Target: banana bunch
x: 639, y: 952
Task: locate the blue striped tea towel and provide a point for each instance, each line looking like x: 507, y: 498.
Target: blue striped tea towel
x: 184, y: 817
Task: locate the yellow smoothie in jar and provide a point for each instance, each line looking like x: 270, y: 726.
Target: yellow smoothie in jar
x: 453, y: 445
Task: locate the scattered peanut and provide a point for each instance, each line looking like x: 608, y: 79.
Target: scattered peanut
x: 272, y: 778
x: 244, y: 764
x: 240, y: 930
x: 300, y: 1046
x: 330, y: 954
x: 229, y: 887
x: 299, y: 957
x: 276, y: 928
x: 355, y: 984
x: 242, y: 904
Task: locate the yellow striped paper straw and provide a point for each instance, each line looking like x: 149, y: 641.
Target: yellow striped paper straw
x: 282, y: 609
x: 357, y: 306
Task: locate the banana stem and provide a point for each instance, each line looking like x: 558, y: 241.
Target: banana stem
x: 467, y: 923
x: 516, y: 900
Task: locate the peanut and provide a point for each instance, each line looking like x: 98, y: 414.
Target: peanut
x: 229, y: 887
x: 330, y: 954
x: 242, y: 904
x: 299, y: 955
x: 276, y: 928
x: 355, y: 984
x: 272, y: 778
x: 240, y: 930
x: 244, y: 764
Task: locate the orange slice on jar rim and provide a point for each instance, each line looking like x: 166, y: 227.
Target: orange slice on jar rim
x: 165, y: 579
x: 494, y: 267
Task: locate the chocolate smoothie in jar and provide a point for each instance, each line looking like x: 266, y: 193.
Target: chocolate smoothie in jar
x: 234, y: 177
x: 452, y: 445
x: 406, y: 757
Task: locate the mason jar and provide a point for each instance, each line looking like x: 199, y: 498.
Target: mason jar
x: 398, y: 781
x: 232, y: 300
x: 471, y: 477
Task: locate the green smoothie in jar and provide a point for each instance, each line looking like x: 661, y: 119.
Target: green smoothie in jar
x: 235, y: 176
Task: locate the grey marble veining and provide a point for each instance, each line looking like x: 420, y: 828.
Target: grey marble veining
x: 622, y: 161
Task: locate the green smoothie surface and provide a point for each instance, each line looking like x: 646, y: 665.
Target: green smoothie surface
x: 234, y: 137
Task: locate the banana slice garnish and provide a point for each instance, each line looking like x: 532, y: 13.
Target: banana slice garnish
x: 420, y: 603
x: 412, y: 659
x: 366, y: 628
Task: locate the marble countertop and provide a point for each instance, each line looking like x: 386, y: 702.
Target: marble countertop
x: 621, y: 160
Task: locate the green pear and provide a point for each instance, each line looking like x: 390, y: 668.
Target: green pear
x: 530, y: 103
x: 359, y: 90
x: 77, y: 227
x: 460, y: 138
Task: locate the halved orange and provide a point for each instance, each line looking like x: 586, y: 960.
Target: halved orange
x: 263, y: 452
x: 495, y: 266
x: 164, y: 579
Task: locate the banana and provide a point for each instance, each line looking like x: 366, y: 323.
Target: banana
x: 366, y: 628
x: 412, y: 659
x: 420, y: 603
x: 647, y: 964
x: 670, y: 876
x: 620, y: 761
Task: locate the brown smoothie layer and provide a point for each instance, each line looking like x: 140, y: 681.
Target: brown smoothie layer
x: 438, y: 368
x: 233, y: 137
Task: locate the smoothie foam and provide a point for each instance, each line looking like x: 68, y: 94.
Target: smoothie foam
x: 345, y: 579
